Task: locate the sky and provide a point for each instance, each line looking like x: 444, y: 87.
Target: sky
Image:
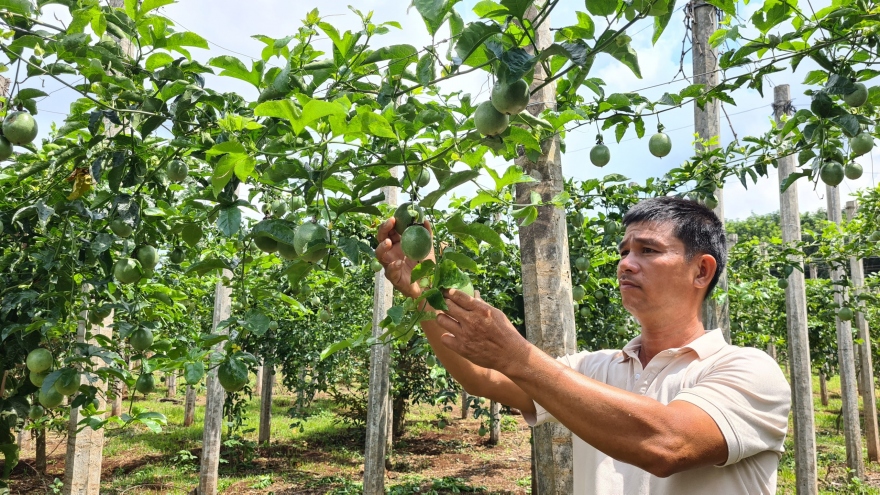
x: 229, y: 30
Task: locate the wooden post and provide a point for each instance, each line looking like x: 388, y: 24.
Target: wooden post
x: 268, y: 382
x: 846, y: 359
x: 869, y: 399
x: 258, y: 387
x: 211, y: 437
x: 189, y: 406
x: 823, y: 388
x: 379, y: 408
x: 464, y: 404
x: 40, y: 458
x: 171, y: 382
x: 495, y: 430
x: 82, y: 468
x: 796, y: 319
x: 546, y: 275
x: 707, y: 124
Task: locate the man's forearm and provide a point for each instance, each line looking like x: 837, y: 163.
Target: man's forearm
x: 628, y: 427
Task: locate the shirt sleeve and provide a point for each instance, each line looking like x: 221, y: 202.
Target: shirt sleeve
x: 749, y: 399
x: 573, y: 361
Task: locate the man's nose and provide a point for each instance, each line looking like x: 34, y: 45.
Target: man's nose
x: 627, y: 264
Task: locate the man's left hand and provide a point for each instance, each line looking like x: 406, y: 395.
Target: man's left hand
x: 480, y: 333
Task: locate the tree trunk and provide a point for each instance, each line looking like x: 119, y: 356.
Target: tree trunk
x: 546, y: 276
x: 268, y: 381
x: 796, y: 320
x: 399, y: 416
x: 464, y: 404
x: 189, y: 406
x: 495, y: 430
x: 869, y: 399
x: 82, y: 468
x: 211, y: 437
x: 846, y: 359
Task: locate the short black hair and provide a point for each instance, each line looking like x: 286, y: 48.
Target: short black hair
x: 701, y: 231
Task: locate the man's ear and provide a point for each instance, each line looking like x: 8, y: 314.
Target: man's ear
x: 706, y: 265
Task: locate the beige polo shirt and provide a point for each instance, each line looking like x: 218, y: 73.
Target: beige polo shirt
x: 741, y: 388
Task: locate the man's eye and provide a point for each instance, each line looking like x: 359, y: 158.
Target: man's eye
x: 623, y: 253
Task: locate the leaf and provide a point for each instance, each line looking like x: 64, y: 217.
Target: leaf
x: 233, y: 67
x: 157, y: 60
x: 338, y: 346
x: 518, y: 62
x: 422, y: 270
x: 661, y: 21
x: 426, y: 70
x: 316, y: 109
x: 281, y: 109
x: 297, y: 271
x: 447, y: 185
x: 280, y: 230
x: 149, y: 5
x: 849, y: 124
x: 574, y: 51
x: 21, y: 7
x: 473, y: 37
x: 193, y: 372
x: 256, y: 322
x: 620, y: 49
x: 350, y: 246
x: 601, y: 7
x: 527, y: 215
x: 517, y: 8
x: 30, y: 93
x: 434, y: 12
x: 208, y: 265
x: 229, y: 220
x: 435, y: 299
x: 399, y: 55
x: 462, y: 261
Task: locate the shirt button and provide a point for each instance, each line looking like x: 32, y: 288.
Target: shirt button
x: 638, y: 375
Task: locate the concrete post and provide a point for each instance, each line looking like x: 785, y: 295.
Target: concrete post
x: 268, y: 382
x: 189, y: 406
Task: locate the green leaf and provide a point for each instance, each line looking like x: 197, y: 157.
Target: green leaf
x: 21, y: 7
x: 222, y: 174
x: 233, y: 67
x: 297, y: 271
x: 602, y: 7
x: 229, y: 221
x: 422, y: 270
x: 434, y: 12
x: 449, y: 184
x: 425, y: 69
x: 435, y: 299
x: 399, y: 55
x: 316, y: 109
x: 30, y: 93
x: 256, y: 322
x: 280, y: 230
x: 375, y: 124
x: 472, y: 38
x: 149, y: 5
x: 449, y: 276
x: 620, y: 49
x: 517, y: 8
x: 193, y: 372
x: 849, y: 124
x: 527, y: 215
x: 208, y: 265
x: 280, y: 109
x: 157, y: 60
x: 462, y: 261
x: 338, y: 346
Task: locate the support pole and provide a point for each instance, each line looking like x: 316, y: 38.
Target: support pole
x: 707, y: 124
x: 268, y: 383
x: 189, y: 406
x: 171, y: 382
x: 464, y: 404
x: 495, y: 430
x: 869, y: 399
x: 379, y: 406
x: 82, y: 468
x: 796, y: 319
x: 546, y: 275
x: 211, y: 436
x: 846, y: 358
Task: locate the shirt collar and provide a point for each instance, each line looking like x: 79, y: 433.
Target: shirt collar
x: 705, y: 346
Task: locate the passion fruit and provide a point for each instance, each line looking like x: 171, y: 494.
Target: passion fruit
x: 600, y: 155
x: 36, y: 412
x: 582, y: 264
x: 858, y: 97
x: 419, y: 176
x: 68, y: 384
x: 127, y: 271
x: 510, y: 99
x: 375, y: 266
x: 148, y: 256
x: 120, y: 228
x: 832, y: 173
x: 266, y: 243
x: 407, y: 214
x: 176, y: 256
x: 20, y: 128
x: 287, y: 251
x: 39, y: 360
x: 845, y: 314
x: 233, y: 375
x: 141, y: 339
x: 660, y: 145
x: 50, y: 398
x: 416, y: 242
x: 145, y: 383
x: 489, y: 121
x: 861, y: 143
x: 852, y: 171
x: 177, y: 171
x: 308, y: 236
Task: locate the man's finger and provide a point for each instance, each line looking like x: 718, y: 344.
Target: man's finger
x: 448, y: 323
x: 385, y: 229
x: 465, y: 301
x: 382, y: 249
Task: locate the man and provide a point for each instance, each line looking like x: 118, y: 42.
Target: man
x: 677, y: 411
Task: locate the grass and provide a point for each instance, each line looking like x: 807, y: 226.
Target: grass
x: 324, y: 455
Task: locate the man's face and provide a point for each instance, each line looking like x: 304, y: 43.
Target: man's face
x: 653, y: 272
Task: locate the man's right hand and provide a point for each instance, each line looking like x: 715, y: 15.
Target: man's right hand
x: 398, y: 268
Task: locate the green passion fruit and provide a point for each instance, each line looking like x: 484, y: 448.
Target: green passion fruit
x: 141, y: 339
x: 287, y: 251
x: 852, y: 171
x: 177, y: 171
x: 600, y: 155
x: 145, y: 383
x: 68, y: 384
x: 37, y: 378
x: 416, y: 242
x: 845, y: 314
x: 39, y: 360
x: 862, y: 143
x: 176, y: 256
x: 489, y: 121
x: 120, y: 228
x: 19, y: 128
x: 832, y: 173
x: 375, y: 266
x: 233, y: 375
x: 148, y: 256
x: 512, y: 98
x: 50, y: 398
x: 307, y: 237
x: 660, y: 145
x: 266, y: 243
x: 127, y: 271
x: 407, y: 214
x: 858, y: 97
